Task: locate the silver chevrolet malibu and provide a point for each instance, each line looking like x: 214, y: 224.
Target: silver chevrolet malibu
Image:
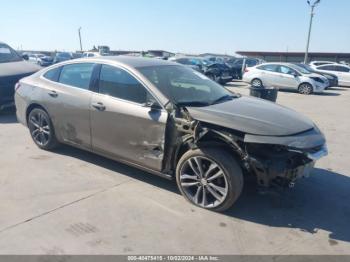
x: 169, y: 120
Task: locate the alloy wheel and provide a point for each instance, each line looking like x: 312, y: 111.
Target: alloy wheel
x: 40, y: 128
x: 305, y: 89
x: 204, y: 182
x: 256, y: 83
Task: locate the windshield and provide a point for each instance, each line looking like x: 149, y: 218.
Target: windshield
x: 301, y: 69
x: 7, y: 54
x: 63, y: 54
x: 184, y: 86
x: 307, y: 67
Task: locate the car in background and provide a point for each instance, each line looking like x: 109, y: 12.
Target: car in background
x: 332, y: 78
x: 236, y: 65
x: 318, y: 63
x: 61, y: 57
x: 171, y: 121
x: 340, y: 70
x: 12, y: 68
x: 91, y: 54
x: 285, y: 76
x: 40, y: 59
x: 218, y: 72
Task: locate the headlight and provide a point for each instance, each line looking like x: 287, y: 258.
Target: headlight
x: 317, y: 79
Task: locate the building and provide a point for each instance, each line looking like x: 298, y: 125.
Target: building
x: 296, y: 56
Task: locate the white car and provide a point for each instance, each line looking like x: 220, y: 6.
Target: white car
x: 285, y: 76
x: 91, y: 54
x: 40, y: 59
x: 340, y: 70
x: 319, y: 63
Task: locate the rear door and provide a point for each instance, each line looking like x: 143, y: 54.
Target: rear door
x: 67, y: 97
x: 124, y: 126
x: 269, y: 74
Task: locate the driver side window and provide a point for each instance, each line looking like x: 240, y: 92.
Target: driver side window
x: 118, y: 83
x: 286, y: 70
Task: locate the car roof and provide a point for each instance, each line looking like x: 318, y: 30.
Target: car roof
x: 130, y: 61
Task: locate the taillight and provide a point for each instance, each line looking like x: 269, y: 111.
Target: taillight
x: 17, y: 86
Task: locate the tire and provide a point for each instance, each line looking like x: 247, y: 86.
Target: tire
x: 227, y: 185
x: 41, y: 129
x: 305, y: 89
x: 256, y: 82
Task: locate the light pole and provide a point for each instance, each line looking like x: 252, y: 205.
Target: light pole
x: 81, y: 45
x: 312, y: 5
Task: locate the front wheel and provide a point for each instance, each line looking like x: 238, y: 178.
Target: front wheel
x: 209, y: 178
x: 305, y: 89
x: 41, y: 129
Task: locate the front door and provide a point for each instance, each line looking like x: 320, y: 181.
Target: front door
x: 288, y: 78
x: 123, y: 124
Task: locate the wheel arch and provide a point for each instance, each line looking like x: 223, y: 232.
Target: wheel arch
x: 31, y: 107
x: 212, y: 140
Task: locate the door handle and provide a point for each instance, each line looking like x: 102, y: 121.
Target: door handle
x: 53, y: 93
x: 99, y: 106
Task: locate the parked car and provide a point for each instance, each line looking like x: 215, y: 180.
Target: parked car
x: 220, y: 73
x: 285, y: 76
x: 236, y: 65
x: 318, y: 63
x: 91, y: 54
x: 62, y: 56
x: 169, y: 120
x: 40, y: 59
x: 12, y: 68
x: 340, y: 70
x: 332, y: 78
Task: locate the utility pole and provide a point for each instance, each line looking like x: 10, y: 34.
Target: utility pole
x: 81, y: 45
x: 310, y: 27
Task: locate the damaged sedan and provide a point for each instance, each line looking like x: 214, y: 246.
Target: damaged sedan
x: 171, y: 121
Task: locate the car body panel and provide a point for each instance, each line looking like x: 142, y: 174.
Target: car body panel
x: 119, y: 131
x: 253, y: 116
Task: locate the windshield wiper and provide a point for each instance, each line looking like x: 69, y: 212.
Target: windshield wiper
x: 223, y: 98
x: 193, y: 103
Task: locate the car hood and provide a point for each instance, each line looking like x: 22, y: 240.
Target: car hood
x: 253, y: 116
x: 17, y: 68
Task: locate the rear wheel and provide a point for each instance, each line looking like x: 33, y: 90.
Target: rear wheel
x: 41, y: 129
x: 209, y: 178
x: 305, y: 89
x: 257, y: 83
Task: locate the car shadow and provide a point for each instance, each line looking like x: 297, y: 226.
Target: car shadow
x: 324, y: 93
x: 320, y: 202
x: 8, y: 117
x: 338, y: 89
x: 118, y: 167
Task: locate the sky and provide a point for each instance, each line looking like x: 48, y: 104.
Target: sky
x: 187, y: 26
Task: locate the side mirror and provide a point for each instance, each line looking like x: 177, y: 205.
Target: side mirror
x: 25, y: 57
x: 153, y: 105
x: 294, y: 74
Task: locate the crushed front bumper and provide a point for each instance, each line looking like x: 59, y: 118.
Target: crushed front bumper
x: 282, y: 164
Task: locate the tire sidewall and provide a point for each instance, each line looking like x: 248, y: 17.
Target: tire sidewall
x: 52, y: 139
x: 231, y: 178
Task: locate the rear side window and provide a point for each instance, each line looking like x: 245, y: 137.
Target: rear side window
x: 53, y: 74
x: 118, y: 83
x: 271, y: 68
x: 341, y: 69
x: 77, y: 75
x: 328, y: 67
